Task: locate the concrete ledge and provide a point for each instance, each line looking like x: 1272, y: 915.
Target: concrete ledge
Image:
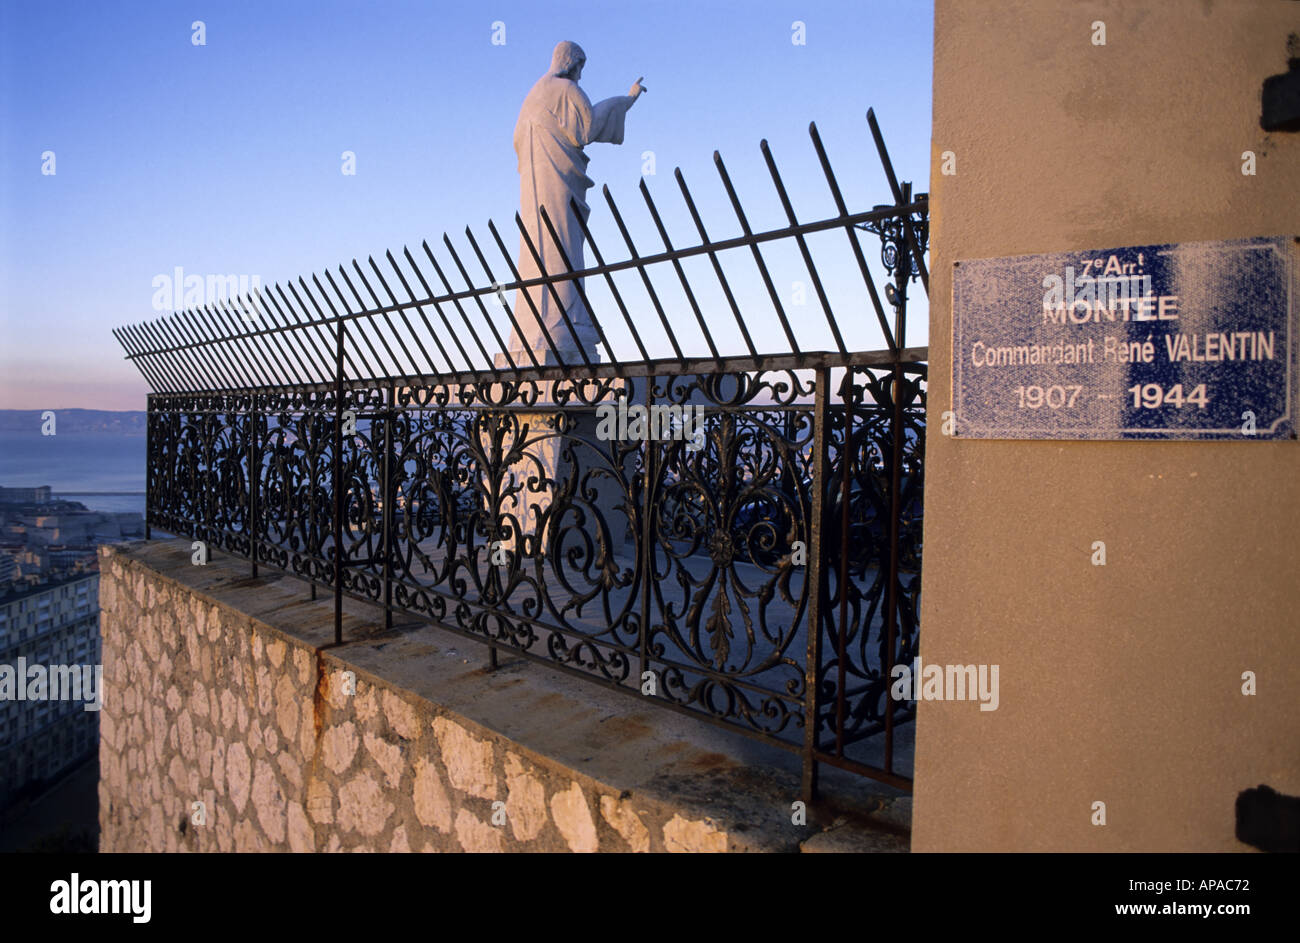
x: 226, y: 690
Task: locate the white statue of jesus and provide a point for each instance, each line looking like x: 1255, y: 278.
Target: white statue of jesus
x: 556, y: 122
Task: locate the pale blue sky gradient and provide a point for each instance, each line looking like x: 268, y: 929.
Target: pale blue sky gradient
x: 225, y: 158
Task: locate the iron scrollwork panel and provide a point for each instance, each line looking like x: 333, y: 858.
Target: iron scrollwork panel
x: 512, y: 520
x: 730, y: 524
x: 516, y: 522
x: 199, y: 468
x: 295, y: 502
x: 857, y: 618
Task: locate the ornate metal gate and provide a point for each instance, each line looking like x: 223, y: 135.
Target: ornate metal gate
x: 491, y: 498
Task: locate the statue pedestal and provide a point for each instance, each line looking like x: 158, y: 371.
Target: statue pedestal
x: 574, y: 467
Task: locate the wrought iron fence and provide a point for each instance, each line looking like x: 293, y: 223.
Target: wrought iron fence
x: 737, y: 537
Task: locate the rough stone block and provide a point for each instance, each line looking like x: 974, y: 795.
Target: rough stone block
x: 467, y: 758
x: 681, y: 834
x: 432, y: 807
x: 572, y: 817
x: 363, y: 807
x: 618, y: 813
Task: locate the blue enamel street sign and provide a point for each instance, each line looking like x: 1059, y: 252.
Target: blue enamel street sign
x: 1187, y: 341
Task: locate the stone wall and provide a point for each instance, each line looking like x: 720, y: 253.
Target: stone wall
x: 249, y: 711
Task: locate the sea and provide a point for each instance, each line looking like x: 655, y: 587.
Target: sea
x: 104, y: 471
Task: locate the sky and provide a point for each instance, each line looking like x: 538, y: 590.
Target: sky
x: 227, y: 157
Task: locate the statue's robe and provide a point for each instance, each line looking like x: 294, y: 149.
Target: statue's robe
x: 556, y: 122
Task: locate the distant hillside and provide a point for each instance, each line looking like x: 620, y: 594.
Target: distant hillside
x: 108, y: 422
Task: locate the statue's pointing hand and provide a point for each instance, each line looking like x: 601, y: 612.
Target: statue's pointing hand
x: 637, y: 88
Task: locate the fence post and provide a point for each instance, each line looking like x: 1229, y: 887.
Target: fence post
x: 647, y: 536
x: 816, y: 585
x: 386, y: 496
x: 896, y: 433
x: 338, y: 488
x: 847, y: 453
x: 902, y: 275
x: 495, y: 576
x: 149, y: 469
x: 254, y: 470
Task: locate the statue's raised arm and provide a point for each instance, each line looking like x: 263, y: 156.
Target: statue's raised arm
x: 607, y: 116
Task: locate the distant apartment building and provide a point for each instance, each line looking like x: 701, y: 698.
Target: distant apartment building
x: 55, y: 623
x: 39, y: 495
x: 77, y: 527
x: 31, y: 563
x: 71, y: 558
